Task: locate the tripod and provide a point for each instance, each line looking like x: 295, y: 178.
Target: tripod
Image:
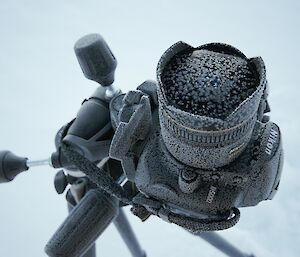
x: 92, y: 209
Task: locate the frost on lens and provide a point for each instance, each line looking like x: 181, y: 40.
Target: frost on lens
x: 208, y: 83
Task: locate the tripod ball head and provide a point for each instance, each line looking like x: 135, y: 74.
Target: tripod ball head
x: 96, y: 59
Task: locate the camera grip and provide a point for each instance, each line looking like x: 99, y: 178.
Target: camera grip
x: 83, y: 225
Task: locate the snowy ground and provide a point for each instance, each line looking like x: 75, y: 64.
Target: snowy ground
x: 42, y: 88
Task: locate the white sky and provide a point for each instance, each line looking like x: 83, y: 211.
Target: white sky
x: 42, y: 87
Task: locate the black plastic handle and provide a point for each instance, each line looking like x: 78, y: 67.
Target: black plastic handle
x: 11, y: 165
x: 84, y: 225
x: 90, y: 134
x: 96, y: 59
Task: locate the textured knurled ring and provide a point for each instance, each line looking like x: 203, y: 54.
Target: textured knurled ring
x: 207, y: 137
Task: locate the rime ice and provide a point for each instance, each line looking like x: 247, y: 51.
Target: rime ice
x: 208, y: 83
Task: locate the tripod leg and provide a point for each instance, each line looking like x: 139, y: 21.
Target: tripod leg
x: 128, y: 235
x: 91, y: 252
x: 221, y: 244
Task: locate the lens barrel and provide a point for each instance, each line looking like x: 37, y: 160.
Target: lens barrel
x: 202, y: 141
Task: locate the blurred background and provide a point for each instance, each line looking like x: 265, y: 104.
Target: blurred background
x: 42, y: 88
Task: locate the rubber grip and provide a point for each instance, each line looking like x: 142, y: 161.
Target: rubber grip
x: 96, y: 59
x: 11, y: 165
x: 84, y: 225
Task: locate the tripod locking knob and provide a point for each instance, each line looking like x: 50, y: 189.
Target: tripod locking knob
x: 96, y: 59
x: 11, y: 165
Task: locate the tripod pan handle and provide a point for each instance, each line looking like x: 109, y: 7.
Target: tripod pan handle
x: 11, y: 165
x: 96, y: 59
x: 84, y: 224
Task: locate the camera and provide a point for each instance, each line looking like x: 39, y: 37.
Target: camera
x: 199, y: 141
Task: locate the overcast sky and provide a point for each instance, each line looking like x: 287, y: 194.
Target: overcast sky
x: 42, y: 88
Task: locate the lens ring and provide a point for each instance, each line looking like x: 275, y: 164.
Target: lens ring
x: 225, y: 136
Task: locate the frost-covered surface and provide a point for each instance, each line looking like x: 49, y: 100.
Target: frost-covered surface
x: 208, y: 83
x: 42, y: 88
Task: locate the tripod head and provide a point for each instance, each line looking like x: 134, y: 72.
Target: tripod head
x: 190, y: 149
x: 90, y: 134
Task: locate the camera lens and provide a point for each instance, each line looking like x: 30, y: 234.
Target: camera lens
x: 207, y: 83
x: 208, y: 102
